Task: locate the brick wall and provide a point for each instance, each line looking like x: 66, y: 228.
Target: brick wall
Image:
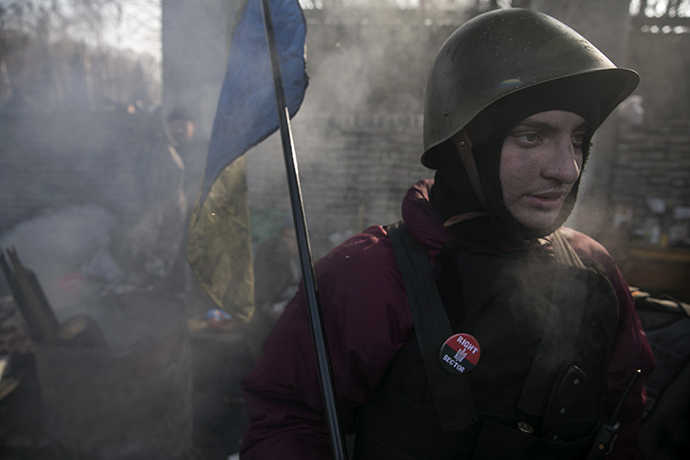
x: 358, y: 135
x: 354, y: 169
x: 652, y: 162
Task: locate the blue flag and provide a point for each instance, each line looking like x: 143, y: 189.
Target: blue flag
x: 219, y: 245
x: 246, y: 112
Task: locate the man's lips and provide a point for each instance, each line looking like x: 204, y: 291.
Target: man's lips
x: 552, y: 199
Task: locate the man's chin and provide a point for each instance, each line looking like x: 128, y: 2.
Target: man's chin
x: 540, y: 223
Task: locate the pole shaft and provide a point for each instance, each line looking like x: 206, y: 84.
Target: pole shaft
x: 306, y: 260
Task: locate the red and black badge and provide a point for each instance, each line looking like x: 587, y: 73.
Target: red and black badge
x: 460, y: 353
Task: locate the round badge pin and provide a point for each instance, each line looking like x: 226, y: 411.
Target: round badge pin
x: 460, y: 353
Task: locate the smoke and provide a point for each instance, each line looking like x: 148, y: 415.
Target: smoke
x: 56, y: 244
x: 358, y: 135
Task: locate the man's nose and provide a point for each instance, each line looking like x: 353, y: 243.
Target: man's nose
x: 565, y: 162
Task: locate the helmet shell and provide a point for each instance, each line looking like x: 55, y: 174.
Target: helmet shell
x: 503, y: 51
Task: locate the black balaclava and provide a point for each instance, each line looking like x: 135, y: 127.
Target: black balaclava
x: 452, y: 193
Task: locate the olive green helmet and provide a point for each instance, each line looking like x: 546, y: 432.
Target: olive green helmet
x: 501, y: 52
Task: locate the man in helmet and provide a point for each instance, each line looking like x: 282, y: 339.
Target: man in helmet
x: 479, y: 328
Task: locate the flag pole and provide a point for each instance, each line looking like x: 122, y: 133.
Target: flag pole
x: 306, y: 260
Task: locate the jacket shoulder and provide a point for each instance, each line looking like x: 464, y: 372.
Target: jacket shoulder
x: 588, y: 248
x: 362, y: 259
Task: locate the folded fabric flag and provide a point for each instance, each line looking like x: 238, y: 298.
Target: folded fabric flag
x: 219, y: 242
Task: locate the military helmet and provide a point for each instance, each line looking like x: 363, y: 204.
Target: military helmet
x: 504, y: 51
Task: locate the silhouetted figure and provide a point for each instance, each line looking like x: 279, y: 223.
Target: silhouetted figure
x: 152, y: 251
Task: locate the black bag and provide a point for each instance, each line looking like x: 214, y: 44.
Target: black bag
x: 665, y: 430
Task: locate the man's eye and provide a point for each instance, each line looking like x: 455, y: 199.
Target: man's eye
x: 578, y: 139
x: 528, y: 137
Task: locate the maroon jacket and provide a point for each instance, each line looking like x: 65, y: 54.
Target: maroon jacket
x: 368, y: 320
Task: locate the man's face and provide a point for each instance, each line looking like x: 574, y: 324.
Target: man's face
x: 182, y: 130
x: 541, y: 159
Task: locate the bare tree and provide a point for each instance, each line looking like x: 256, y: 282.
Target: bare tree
x: 54, y: 53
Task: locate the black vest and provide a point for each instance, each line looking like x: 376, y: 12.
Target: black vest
x: 502, y: 299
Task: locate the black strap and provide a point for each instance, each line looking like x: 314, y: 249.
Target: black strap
x: 451, y: 393
x: 563, y: 322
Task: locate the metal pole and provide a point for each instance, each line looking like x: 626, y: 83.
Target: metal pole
x: 306, y: 261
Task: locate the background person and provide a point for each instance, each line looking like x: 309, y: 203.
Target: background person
x: 150, y: 251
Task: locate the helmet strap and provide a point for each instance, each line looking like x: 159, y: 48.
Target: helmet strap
x: 464, y: 148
